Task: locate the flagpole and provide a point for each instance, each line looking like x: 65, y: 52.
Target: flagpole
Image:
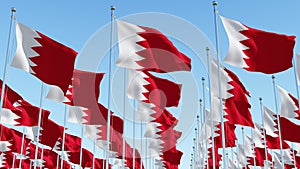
x: 112, y: 9
x: 253, y: 145
x: 133, y: 128
x: 22, y: 146
x: 124, y: 115
x: 198, y: 145
x: 296, y: 81
x: 94, y: 152
x: 243, y: 139
x: 80, y: 155
x: 278, y: 119
x: 204, y: 116
x: 195, y: 152
x: 211, y: 109
x: 39, y: 125
x: 8, y: 53
x: 13, y: 162
x: 42, y: 156
x: 57, y: 161
x: 263, y: 130
x: 64, y: 137
x: 219, y: 79
x: 295, y: 162
x: 141, y: 153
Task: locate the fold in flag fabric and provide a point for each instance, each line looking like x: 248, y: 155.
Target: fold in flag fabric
x: 234, y: 95
x: 10, y: 96
x: 24, y: 114
x: 230, y: 135
x: 144, y: 48
x: 238, y: 107
x: 256, y: 50
x: 45, y: 58
x: 270, y: 122
x: 14, y: 139
x: 83, y: 90
x: 150, y: 89
x: 49, y: 134
x: 288, y: 130
x: 72, y: 143
x: 289, y: 104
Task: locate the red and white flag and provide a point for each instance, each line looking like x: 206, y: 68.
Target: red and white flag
x: 256, y: 50
x: 288, y: 130
x: 289, y: 104
x: 148, y: 88
x: 270, y: 122
x: 234, y: 95
x: 45, y: 58
x: 144, y: 48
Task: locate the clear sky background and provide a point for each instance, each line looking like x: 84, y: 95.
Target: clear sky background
x: 74, y: 22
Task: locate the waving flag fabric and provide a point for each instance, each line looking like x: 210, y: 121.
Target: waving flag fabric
x: 150, y: 89
x: 45, y: 58
x: 144, y: 48
x: 10, y: 96
x: 288, y: 130
x: 256, y: 50
x: 24, y: 114
x: 14, y: 138
x: 234, y: 94
x: 289, y: 104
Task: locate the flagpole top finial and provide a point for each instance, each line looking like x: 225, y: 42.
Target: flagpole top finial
x: 200, y: 100
x: 197, y: 116
x: 207, y: 48
x: 203, y: 78
x: 260, y: 99
x: 273, y: 77
x: 215, y: 3
x: 112, y: 8
x: 242, y: 128
x: 13, y: 9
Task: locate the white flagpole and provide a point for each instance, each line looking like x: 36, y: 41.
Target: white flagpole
x: 57, y: 161
x: 295, y: 76
x: 94, y: 153
x: 112, y: 9
x: 195, y: 148
x: 124, y: 115
x: 81, y: 146
x: 13, y: 162
x: 253, y: 146
x: 64, y: 137
x: 211, y: 109
x: 205, y: 154
x: 39, y: 126
x: 133, y: 128
x: 263, y: 130
x: 22, y: 146
x: 278, y: 120
x: 198, y: 145
x: 141, y: 153
x: 8, y: 53
x: 219, y: 79
x: 42, y: 156
x: 295, y: 162
x: 243, y: 139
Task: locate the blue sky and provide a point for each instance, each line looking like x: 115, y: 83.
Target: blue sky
x: 74, y: 22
